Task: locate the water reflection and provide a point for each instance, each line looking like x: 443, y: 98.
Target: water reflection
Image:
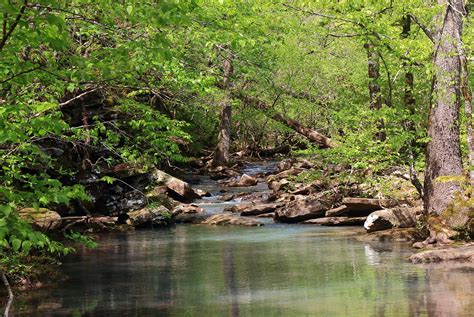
x: 273, y: 271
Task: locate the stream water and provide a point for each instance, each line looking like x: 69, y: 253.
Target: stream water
x: 274, y: 270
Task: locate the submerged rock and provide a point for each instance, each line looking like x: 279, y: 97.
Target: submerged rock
x: 401, y: 217
x: 463, y: 253
x: 233, y: 220
x: 300, y: 209
x: 41, y: 218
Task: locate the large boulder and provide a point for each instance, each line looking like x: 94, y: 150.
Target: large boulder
x: 400, y: 217
x: 337, y: 221
x: 360, y: 207
x: 178, y: 189
x: 149, y: 216
x: 41, y: 218
x: 231, y: 220
x: 300, y: 209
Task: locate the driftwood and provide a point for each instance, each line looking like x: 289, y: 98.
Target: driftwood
x: 101, y: 222
x: 321, y: 140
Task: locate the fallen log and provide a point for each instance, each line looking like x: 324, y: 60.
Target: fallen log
x: 321, y: 140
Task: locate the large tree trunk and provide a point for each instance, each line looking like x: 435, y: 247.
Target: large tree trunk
x: 375, y: 93
x: 443, y: 152
x: 221, y: 154
x: 321, y: 140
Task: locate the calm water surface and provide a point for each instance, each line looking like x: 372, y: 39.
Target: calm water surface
x: 275, y: 270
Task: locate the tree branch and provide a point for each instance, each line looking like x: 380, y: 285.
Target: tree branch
x: 7, y: 35
x: 428, y: 33
x: 10, y: 295
x: 19, y: 74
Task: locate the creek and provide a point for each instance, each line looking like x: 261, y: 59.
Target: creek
x: 273, y: 270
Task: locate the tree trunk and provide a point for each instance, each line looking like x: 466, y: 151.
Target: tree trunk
x: 375, y: 93
x: 310, y: 134
x: 221, y: 154
x: 410, y: 104
x: 321, y: 140
x: 443, y: 156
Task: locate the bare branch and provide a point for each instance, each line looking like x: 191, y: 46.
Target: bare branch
x: 10, y: 294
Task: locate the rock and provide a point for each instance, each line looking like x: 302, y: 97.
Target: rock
x: 186, y: 209
x: 304, y: 163
x: 337, y: 221
x: 463, y: 253
x: 291, y: 172
x: 177, y: 188
x: 260, y: 209
x: 286, y: 164
x: 336, y: 212
x: 300, y: 209
x: 244, y: 181
x: 202, y: 193
x: 159, y: 195
x: 148, y: 216
x: 189, y: 214
x: 399, y: 235
x: 239, y: 208
x: 364, y: 206
x: 269, y: 215
x: 41, y: 218
x: 229, y: 219
x: 401, y: 217
x: 278, y: 185
x: 227, y: 197
x: 308, y: 189
x: 221, y: 172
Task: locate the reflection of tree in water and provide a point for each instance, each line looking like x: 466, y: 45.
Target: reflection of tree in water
x: 230, y: 279
x: 448, y: 291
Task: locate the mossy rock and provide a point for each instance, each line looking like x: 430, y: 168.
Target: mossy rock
x: 42, y: 218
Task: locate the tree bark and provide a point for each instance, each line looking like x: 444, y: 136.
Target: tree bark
x: 321, y: 140
x: 221, y: 154
x: 443, y: 156
x: 410, y: 104
x: 375, y: 93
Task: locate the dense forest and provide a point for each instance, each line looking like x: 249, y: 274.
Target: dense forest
x: 360, y: 102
